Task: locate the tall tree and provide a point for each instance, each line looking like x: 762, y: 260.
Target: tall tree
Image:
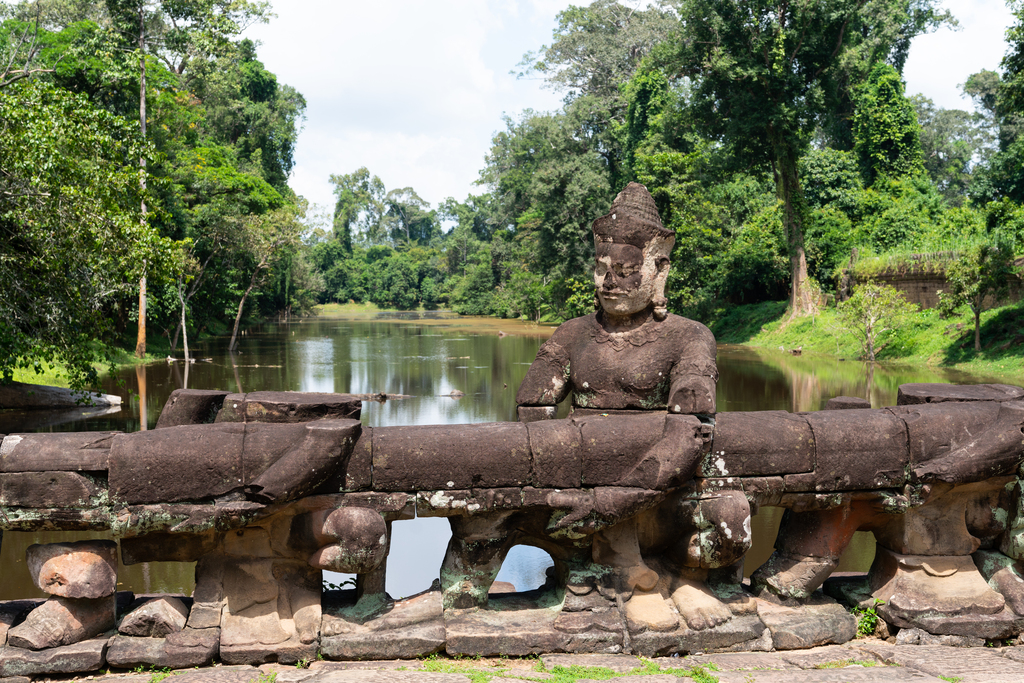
x: 886, y: 132
x: 767, y: 74
x: 180, y: 33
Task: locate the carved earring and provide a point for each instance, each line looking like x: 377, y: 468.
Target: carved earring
x: 660, y: 308
x: 597, y: 302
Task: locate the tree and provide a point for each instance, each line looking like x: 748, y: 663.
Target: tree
x: 180, y: 34
x: 886, y: 132
x: 873, y: 312
x: 266, y: 238
x: 768, y: 74
x: 70, y: 234
x: 979, y: 278
x: 951, y: 140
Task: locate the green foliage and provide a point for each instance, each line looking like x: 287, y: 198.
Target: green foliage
x: 950, y: 141
x: 867, y: 619
x: 978, y: 279
x: 873, y: 313
x: 885, y: 127
x: 71, y: 235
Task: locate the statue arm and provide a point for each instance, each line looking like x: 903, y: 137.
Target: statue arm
x: 547, y: 381
x: 695, y: 374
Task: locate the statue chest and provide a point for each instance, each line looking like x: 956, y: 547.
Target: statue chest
x: 631, y: 377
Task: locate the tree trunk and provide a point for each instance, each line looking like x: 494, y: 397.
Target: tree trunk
x: 140, y: 342
x: 238, y: 318
x: 184, y: 328
x: 174, y: 339
x: 977, y: 329
x: 787, y: 186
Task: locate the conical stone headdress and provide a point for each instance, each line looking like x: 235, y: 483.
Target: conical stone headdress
x: 633, y: 219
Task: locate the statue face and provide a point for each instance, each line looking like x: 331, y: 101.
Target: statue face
x: 625, y: 280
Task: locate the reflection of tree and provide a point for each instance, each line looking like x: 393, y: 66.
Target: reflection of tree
x: 812, y: 380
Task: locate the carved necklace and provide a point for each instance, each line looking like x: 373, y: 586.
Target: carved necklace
x: 648, y: 332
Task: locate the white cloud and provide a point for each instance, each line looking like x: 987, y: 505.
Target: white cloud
x: 412, y: 90
x: 940, y: 62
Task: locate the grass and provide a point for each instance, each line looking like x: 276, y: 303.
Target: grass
x: 482, y: 671
x: 843, y: 663
x: 926, y: 340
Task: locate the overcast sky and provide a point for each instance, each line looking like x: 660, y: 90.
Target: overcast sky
x: 414, y: 90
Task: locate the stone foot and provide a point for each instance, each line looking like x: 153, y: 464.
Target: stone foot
x: 648, y: 610
x: 699, y: 606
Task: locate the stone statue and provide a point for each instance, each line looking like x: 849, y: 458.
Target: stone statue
x: 631, y: 354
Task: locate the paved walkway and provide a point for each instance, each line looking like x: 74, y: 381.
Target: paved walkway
x: 858, y: 661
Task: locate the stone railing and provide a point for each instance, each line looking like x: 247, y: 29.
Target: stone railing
x: 646, y: 517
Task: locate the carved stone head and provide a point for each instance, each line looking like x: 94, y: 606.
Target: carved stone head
x: 632, y: 249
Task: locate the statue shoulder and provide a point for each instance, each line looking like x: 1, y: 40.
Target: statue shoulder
x: 573, y: 328
x: 691, y: 330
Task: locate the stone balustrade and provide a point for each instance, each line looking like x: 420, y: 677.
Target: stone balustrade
x: 646, y: 517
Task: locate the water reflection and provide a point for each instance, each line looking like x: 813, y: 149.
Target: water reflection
x: 426, y: 357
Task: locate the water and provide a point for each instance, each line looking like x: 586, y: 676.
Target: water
x: 426, y: 357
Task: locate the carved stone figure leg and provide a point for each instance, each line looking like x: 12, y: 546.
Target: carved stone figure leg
x: 371, y: 585
x: 808, y: 548
x: 719, y: 537
x: 923, y: 568
x: 619, y: 547
x: 356, y: 541
x: 475, y: 552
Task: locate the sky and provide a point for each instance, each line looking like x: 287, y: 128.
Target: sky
x: 415, y: 90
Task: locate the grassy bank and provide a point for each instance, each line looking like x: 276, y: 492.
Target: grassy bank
x: 926, y: 340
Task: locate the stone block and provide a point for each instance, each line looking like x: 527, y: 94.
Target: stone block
x: 933, y: 431
x: 147, y: 467
x: 68, y: 659
x: 740, y: 449
x: 847, y: 403
x: 916, y: 394
x: 862, y: 449
x: 528, y: 414
x: 154, y: 617
x: 354, y: 475
x: 11, y: 611
x: 56, y: 452
x: 205, y: 615
x: 82, y: 569
x: 848, y: 674
x: 614, y: 446
x: 915, y: 636
x: 738, y: 661
x: 181, y: 650
x: 408, y: 642
x: 739, y: 629
x: 818, y: 657
x: 191, y: 407
x: 515, y: 633
x: 818, y: 621
x: 915, y: 586
x: 620, y: 664
x: 287, y: 652
x: 557, y: 453
x: 63, y: 621
x: 47, y: 490
x: 285, y: 462
x: 288, y: 406
x: 970, y: 665
x: 480, y: 455
x: 167, y: 547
